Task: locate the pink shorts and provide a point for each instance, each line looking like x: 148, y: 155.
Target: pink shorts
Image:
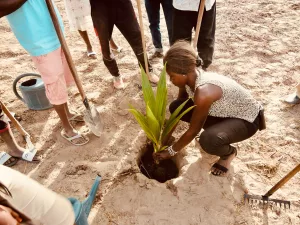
x: 56, y: 75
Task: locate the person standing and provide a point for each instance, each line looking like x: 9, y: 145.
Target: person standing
x: 185, y: 17
x: 32, y: 25
x: 153, y: 12
x: 108, y: 13
x: 79, y: 16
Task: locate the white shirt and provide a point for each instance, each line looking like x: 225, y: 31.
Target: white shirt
x: 192, y: 5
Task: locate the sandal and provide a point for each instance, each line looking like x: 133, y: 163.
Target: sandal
x: 92, y: 55
x: 77, y: 136
x: 219, y: 167
x: 118, y: 50
x: 222, y: 169
x: 7, y: 160
x: 77, y: 118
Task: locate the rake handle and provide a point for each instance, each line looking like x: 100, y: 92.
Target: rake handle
x: 283, y: 181
x: 199, y: 21
x: 143, y: 35
x: 65, y: 48
x: 13, y: 120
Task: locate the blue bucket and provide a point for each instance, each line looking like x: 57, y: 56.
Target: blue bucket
x: 33, y: 92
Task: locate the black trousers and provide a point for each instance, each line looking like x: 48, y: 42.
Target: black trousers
x: 185, y: 21
x: 120, y: 13
x: 219, y: 133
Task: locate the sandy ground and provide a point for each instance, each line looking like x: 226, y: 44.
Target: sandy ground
x: 257, y: 44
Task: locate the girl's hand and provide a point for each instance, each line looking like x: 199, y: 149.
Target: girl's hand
x: 161, y: 155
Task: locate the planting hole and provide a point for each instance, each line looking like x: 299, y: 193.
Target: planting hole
x: 161, y: 172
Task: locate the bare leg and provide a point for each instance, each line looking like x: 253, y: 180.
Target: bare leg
x: 14, y: 149
x: 86, y: 39
x: 64, y: 115
x: 113, y: 45
x: 298, y: 90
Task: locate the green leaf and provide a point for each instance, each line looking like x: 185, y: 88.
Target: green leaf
x: 177, y: 111
x: 141, y: 119
x: 171, y: 123
x: 153, y: 124
x: 161, y: 98
x: 147, y: 90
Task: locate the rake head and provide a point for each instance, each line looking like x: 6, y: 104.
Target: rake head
x: 264, y: 200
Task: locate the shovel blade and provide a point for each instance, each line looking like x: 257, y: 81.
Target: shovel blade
x: 93, y: 120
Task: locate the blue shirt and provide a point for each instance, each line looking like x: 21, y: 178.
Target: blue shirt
x: 33, y: 27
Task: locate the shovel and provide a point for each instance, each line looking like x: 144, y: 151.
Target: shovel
x: 26, y: 136
x: 265, y: 198
x: 199, y: 21
x: 143, y: 35
x: 91, y: 115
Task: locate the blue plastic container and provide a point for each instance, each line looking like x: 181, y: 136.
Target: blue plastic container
x: 82, y: 209
x: 33, y: 92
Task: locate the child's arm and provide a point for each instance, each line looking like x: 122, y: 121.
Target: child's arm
x: 9, y: 6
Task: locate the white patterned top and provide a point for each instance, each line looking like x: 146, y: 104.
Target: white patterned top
x: 236, y: 101
x: 79, y: 14
x: 192, y: 5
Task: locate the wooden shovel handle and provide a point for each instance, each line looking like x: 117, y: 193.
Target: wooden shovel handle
x: 13, y: 120
x: 283, y: 181
x: 199, y: 21
x: 65, y: 48
x: 143, y: 34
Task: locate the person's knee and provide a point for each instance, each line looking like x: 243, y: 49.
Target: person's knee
x: 211, y: 142
x: 173, y: 106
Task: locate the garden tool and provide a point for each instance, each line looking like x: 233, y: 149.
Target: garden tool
x: 264, y: 199
x: 143, y: 35
x: 91, y: 115
x: 82, y: 209
x: 26, y: 136
x: 199, y: 21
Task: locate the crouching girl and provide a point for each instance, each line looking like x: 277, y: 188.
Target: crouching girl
x: 226, y: 111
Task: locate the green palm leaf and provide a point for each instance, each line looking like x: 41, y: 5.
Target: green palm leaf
x: 141, y: 119
x: 161, y: 98
x: 153, y: 124
x: 147, y: 90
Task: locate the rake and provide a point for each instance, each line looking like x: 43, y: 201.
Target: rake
x: 264, y: 199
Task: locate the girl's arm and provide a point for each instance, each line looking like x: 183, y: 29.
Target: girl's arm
x: 9, y: 6
x: 205, y: 96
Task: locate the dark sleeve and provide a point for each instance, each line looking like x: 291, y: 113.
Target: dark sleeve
x: 9, y: 6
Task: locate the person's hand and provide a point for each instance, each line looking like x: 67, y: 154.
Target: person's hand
x: 161, y: 155
x: 8, y: 216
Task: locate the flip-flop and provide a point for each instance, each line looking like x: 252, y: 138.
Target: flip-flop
x: 223, y: 169
x: 7, y: 160
x: 92, y: 54
x: 75, y: 118
x: 118, y: 50
x: 292, y: 99
x: 219, y: 167
x: 77, y: 136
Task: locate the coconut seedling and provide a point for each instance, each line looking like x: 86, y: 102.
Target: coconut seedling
x: 154, y: 122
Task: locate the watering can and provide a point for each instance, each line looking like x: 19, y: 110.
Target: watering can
x: 82, y: 209
x: 33, y: 92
